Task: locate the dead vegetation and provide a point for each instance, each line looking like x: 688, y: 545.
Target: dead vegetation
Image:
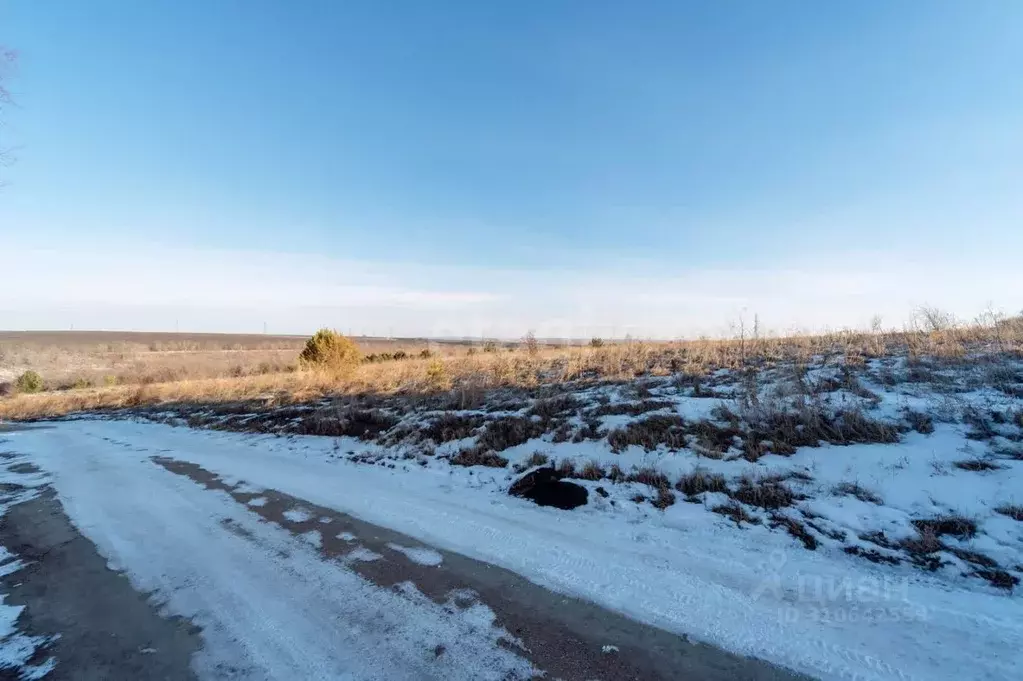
x: 1013, y: 511
x: 737, y: 512
x: 795, y: 529
x: 953, y: 525
x: 650, y: 433
x: 978, y: 465
x: 630, y: 408
x: 854, y: 489
x: 451, y: 426
x: 192, y: 367
x: 699, y: 481
x: 502, y: 433
x: 780, y: 428
x: 475, y: 456
x: 767, y: 494
x: 920, y: 422
x: 650, y: 476
x: 663, y: 499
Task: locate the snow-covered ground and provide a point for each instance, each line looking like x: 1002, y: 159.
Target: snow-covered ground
x: 749, y: 590
x: 847, y: 522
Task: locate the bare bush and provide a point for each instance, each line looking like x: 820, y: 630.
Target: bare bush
x: 531, y: 344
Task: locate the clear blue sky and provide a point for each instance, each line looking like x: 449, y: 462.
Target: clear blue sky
x: 486, y: 167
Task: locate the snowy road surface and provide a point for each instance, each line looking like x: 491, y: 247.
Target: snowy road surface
x: 287, y: 563
x: 254, y: 583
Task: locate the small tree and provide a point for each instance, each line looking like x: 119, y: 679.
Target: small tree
x: 532, y: 345
x: 934, y: 320
x: 596, y: 342
x: 331, y: 351
x: 29, y: 382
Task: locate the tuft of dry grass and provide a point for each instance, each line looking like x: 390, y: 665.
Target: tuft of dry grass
x: 920, y: 422
x: 781, y: 428
x: 665, y: 498
x: 977, y: 465
x: 700, y: 481
x: 475, y: 456
x: 766, y: 494
x: 592, y: 471
x: 537, y: 459
x: 737, y: 512
x: 650, y: 433
x: 795, y: 529
x: 650, y: 476
x: 500, y: 434
x: 448, y: 427
x: 1014, y: 511
x: 854, y: 489
x: 954, y: 525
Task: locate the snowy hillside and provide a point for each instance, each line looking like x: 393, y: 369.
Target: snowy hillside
x: 913, y: 465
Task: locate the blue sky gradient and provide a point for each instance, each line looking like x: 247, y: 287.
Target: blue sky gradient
x: 571, y: 167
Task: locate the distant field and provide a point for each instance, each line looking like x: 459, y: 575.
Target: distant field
x: 98, y: 370
x: 94, y: 358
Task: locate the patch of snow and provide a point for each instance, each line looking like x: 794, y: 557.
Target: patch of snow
x: 258, y: 501
x: 312, y: 537
x: 297, y: 515
x: 420, y: 555
x: 346, y: 536
x: 362, y: 554
x: 16, y: 647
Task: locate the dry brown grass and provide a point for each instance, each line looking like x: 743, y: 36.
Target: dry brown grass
x: 165, y: 375
x: 101, y: 358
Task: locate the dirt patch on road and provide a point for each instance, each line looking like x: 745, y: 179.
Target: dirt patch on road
x: 102, y: 628
x: 565, y: 637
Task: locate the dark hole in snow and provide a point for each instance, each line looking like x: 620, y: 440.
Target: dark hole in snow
x: 545, y: 488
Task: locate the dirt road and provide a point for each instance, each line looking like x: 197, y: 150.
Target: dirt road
x: 276, y: 587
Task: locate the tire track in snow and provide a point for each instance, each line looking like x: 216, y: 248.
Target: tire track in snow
x: 563, y: 637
